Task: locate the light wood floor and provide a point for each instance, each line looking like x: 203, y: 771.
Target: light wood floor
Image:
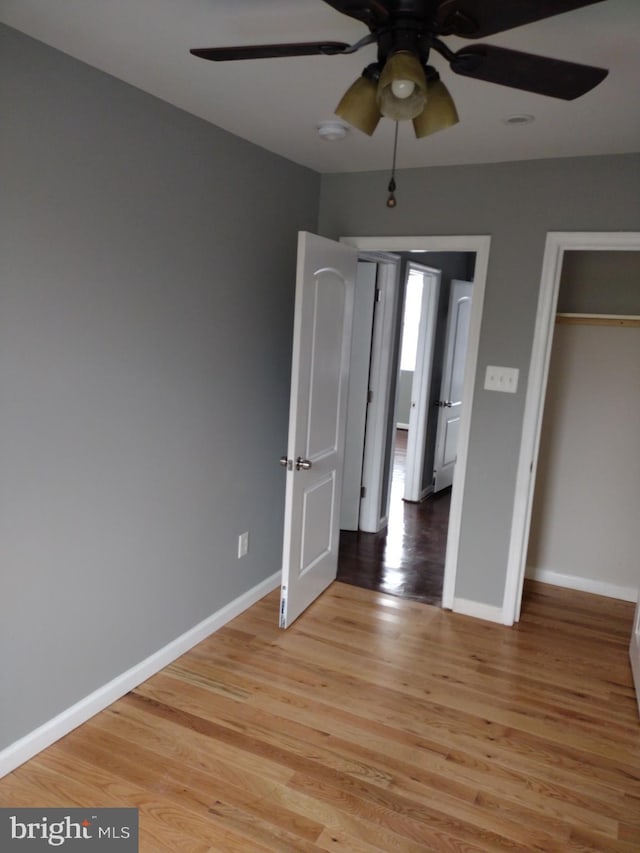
x: 374, y: 723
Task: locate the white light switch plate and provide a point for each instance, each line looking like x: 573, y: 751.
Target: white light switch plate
x: 501, y: 379
x: 243, y: 544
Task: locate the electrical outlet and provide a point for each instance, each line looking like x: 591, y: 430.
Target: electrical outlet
x: 501, y: 379
x: 243, y: 544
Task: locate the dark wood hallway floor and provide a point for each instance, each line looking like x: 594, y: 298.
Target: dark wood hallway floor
x: 407, y: 558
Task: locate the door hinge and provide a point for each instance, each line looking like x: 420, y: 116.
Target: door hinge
x: 363, y: 491
x: 378, y: 294
x: 369, y: 396
x: 283, y: 607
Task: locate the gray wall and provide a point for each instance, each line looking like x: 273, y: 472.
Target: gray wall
x: 146, y: 305
x: 517, y: 204
x: 585, y: 509
x: 403, y: 405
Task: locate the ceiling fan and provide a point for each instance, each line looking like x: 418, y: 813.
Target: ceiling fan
x: 402, y: 85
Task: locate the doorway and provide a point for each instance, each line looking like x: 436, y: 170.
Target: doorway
x: 407, y: 557
x: 415, y: 554
x: 585, y: 507
x: 557, y: 245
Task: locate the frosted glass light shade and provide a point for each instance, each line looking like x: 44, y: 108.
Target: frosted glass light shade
x: 359, y: 106
x: 402, y: 66
x: 439, y: 113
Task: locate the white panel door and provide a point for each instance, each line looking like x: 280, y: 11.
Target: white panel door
x: 450, y: 402
x: 420, y: 387
x: 325, y: 282
x: 634, y: 653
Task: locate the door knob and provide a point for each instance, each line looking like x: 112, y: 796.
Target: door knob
x: 283, y: 461
x: 443, y: 404
x: 302, y: 464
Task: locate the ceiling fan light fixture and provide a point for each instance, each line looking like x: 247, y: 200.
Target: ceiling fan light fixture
x: 359, y: 106
x: 439, y: 113
x: 402, y: 90
x: 402, y: 87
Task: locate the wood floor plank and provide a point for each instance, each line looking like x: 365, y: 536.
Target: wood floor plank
x: 372, y: 724
x: 442, y: 779
x: 47, y: 782
x: 486, y: 723
x: 341, y: 842
x: 438, y: 675
x: 569, y: 789
x: 186, y: 747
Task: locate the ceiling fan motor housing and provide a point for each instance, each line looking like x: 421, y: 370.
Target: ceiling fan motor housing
x: 404, y: 34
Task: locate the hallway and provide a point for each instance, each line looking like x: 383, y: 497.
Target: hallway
x: 407, y: 558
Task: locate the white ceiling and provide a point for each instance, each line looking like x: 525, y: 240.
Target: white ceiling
x: 277, y: 103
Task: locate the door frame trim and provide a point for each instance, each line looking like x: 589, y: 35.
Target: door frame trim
x: 374, y: 511
x: 557, y: 243
x: 480, y: 245
x: 359, y: 366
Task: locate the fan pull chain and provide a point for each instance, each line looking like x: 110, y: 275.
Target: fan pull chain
x: 391, y: 199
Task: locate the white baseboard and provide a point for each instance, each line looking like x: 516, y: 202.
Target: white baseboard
x: 610, y: 590
x: 26, y: 747
x: 475, y: 608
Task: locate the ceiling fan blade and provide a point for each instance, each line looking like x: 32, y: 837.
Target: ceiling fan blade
x: 373, y: 13
x: 480, y: 18
x: 540, y: 74
x: 267, y: 51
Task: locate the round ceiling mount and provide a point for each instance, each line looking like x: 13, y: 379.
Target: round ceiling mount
x: 519, y: 118
x: 332, y: 130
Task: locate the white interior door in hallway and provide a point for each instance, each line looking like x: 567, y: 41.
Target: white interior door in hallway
x: 451, y: 391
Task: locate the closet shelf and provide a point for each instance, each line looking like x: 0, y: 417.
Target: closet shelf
x: 598, y: 319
